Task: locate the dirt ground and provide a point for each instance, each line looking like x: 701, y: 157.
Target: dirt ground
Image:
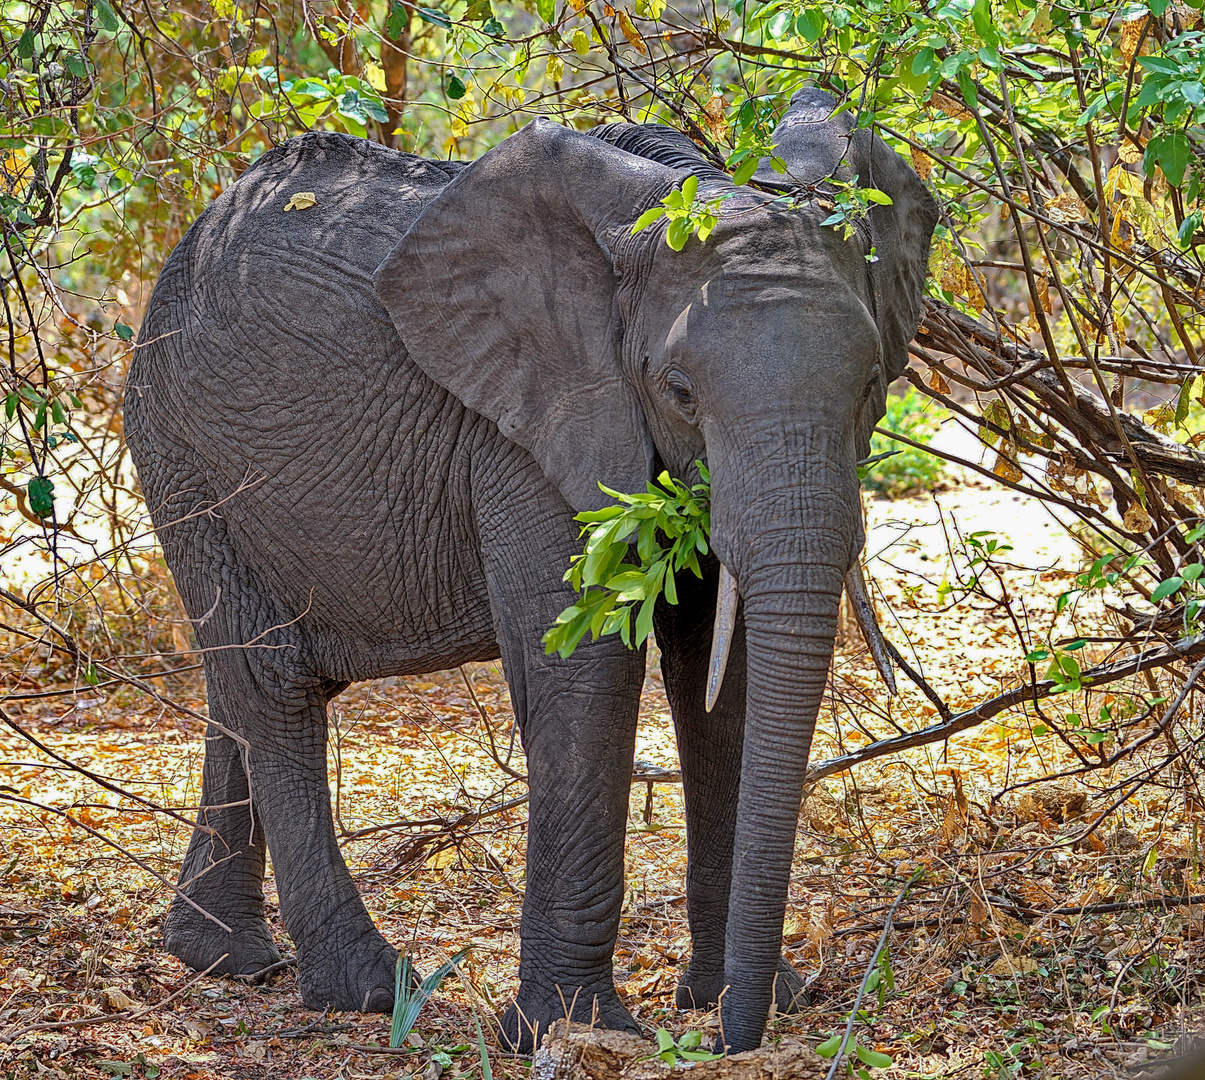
x: 988, y: 974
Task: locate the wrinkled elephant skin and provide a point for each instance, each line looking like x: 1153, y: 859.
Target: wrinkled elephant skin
x: 363, y: 429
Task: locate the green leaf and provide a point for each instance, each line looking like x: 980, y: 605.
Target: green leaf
x: 665, y: 1041
x: 874, y: 195
x: 1171, y: 152
x: 745, y: 172
x: 41, y: 496
x: 1165, y: 588
x: 678, y: 233
x: 433, y: 15
x: 397, y: 21
x: 108, y: 19
x: 691, y: 1040
x: 1184, y: 238
x: 810, y: 25
x: 546, y: 9
x: 829, y: 1047
x: 126, y: 333
x: 25, y: 45
x: 689, y: 187
x: 872, y: 1057
x: 646, y: 219
x: 455, y: 88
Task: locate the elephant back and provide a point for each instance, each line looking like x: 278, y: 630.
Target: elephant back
x: 272, y: 284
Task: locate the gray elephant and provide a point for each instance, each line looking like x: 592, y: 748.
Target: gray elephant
x: 363, y: 429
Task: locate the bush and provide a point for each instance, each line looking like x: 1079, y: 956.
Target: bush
x: 908, y: 470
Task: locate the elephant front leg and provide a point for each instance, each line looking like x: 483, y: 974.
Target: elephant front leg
x: 579, y: 735
x: 578, y: 722
x: 710, y: 749
x: 223, y: 874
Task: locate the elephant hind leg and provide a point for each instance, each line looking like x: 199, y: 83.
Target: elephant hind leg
x: 280, y: 709
x: 223, y: 873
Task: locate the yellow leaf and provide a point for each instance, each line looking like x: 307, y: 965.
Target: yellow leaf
x: 922, y: 163
x: 1131, y: 32
x: 441, y: 860
x: 578, y: 5
x: 555, y: 68
x: 301, y: 200
x: 581, y: 43
x: 1005, y: 467
x: 1129, y: 153
x: 223, y: 8
x: 631, y: 33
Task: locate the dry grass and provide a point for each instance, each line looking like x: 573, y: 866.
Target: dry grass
x: 977, y: 968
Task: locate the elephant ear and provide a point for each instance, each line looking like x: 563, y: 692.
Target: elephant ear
x: 816, y: 144
x: 504, y: 292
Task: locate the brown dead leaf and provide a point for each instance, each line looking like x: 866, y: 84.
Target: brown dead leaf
x: 713, y: 116
x: 631, y: 33
x: 1136, y: 519
x: 954, y: 109
x: 937, y: 382
x: 922, y: 163
x: 117, y: 999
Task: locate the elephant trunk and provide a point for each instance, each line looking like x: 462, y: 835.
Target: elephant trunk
x: 789, y: 551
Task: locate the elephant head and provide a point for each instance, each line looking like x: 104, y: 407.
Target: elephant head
x: 766, y: 350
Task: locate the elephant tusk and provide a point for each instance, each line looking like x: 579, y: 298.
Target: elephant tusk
x: 721, y: 636
x: 859, y: 599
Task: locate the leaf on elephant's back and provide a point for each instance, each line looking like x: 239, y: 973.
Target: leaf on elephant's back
x: 301, y: 200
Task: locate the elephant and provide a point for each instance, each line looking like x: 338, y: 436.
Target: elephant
x: 363, y: 423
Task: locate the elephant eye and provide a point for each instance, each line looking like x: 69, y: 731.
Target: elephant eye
x: 680, y: 388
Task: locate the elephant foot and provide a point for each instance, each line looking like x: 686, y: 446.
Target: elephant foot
x: 535, y: 1011
x: 198, y: 942
x: 355, y: 978
x: 697, y: 991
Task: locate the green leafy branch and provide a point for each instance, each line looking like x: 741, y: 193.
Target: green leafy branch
x: 613, y: 589
x: 688, y: 216
x: 685, y: 1049
x: 849, y: 204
